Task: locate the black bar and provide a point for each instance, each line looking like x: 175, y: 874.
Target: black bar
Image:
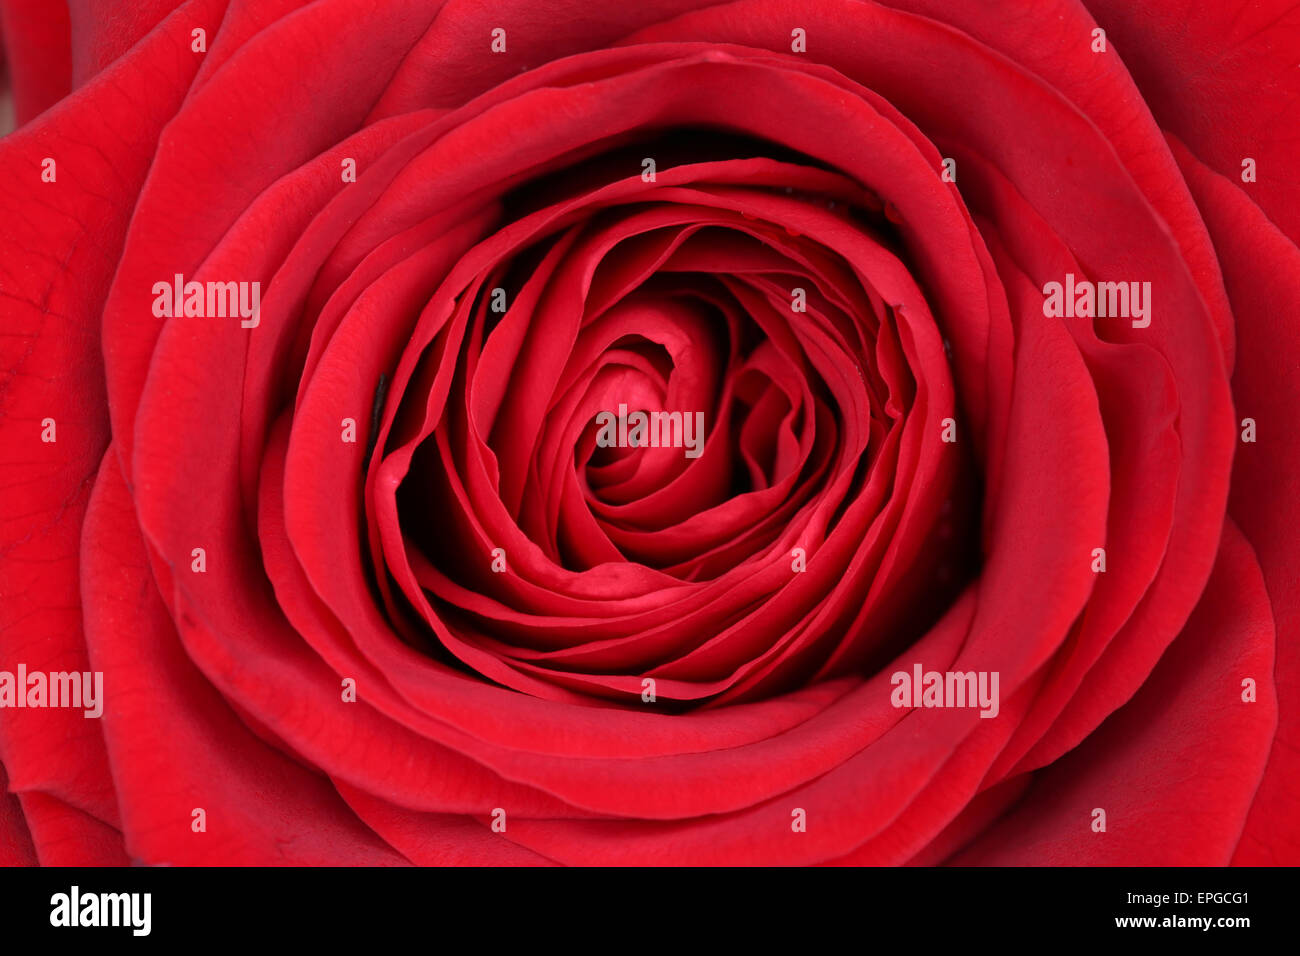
x: 641, y: 908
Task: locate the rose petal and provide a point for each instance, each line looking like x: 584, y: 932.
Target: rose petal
x: 1177, y: 768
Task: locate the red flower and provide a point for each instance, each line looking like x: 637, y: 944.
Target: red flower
x: 749, y: 433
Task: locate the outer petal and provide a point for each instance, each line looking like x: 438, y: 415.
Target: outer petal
x: 259, y: 806
x: 59, y: 243
x: 36, y: 52
x: 1262, y: 270
x: 1223, y: 77
x: 100, y: 31
x: 65, y: 836
x: 15, y: 840
x: 1176, y: 768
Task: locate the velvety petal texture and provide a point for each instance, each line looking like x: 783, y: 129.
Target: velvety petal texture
x: 465, y: 433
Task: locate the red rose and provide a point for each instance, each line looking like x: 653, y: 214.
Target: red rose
x: 751, y: 433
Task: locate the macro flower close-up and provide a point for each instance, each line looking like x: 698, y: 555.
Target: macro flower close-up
x: 666, y: 433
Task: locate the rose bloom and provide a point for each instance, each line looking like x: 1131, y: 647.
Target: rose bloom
x: 331, y: 332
